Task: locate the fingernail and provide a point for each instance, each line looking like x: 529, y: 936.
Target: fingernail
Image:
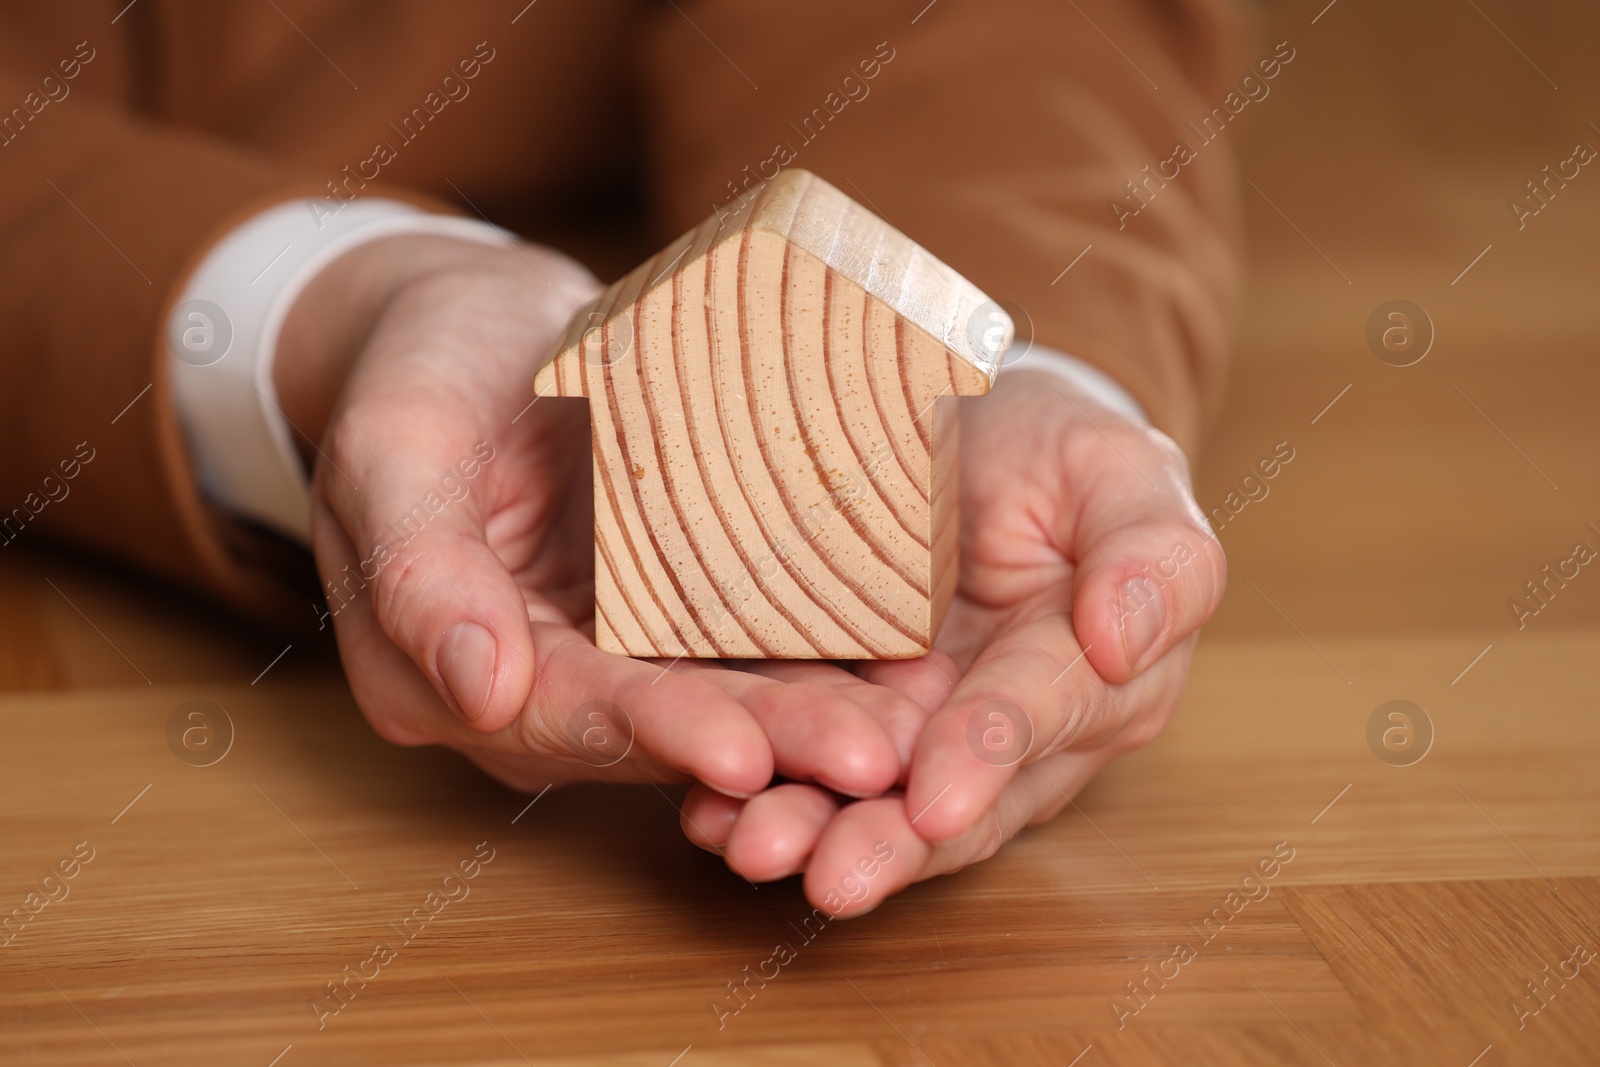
x: 466, y: 663
x: 1141, y: 613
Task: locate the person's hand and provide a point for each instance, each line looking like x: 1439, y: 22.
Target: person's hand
x: 1086, y: 570
x: 453, y: 527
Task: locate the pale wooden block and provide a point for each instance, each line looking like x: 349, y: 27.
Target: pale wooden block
x: 775, y: 438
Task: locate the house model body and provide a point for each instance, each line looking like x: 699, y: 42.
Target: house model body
x: 772, y: 406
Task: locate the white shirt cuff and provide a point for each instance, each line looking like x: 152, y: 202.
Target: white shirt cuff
x: 1084, y: 377
x: 222, y: 337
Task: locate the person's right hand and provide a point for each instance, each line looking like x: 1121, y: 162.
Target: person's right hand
x: 410, y: 363
x: 1081, y: 542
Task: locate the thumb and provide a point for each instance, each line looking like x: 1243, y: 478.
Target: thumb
x: 1150, y: 572
x: 417, y: 512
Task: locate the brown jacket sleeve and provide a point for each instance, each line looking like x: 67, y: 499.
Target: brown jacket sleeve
x: 180, y: 119
x: 997, y: 135
x: 101, y: 218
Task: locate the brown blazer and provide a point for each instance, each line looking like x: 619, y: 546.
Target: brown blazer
x: 996, y: 133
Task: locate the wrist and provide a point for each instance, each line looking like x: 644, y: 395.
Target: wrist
x: 329, y: 323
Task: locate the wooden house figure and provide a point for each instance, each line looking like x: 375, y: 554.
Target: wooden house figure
x: 773, y: 414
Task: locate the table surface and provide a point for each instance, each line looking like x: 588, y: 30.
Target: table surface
x: 1409, y: 908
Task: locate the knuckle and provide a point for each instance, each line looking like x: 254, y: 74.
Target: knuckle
x: 991, y: 837
x: 537, y: 729
x: 1088, y: 719
x: 1074, y: 724
x: 1163, y: 447
x: 772, y: 700
x: 399, y: 587
x: 978, y: 844
x: 543, y: 725
x: 351, y: 435
x: 539, y: 732
x: 343, y: 438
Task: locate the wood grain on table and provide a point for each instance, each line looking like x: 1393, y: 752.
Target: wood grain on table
x: 1435, y: 913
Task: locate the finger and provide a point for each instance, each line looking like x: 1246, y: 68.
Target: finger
x: 899, y: 695
x: 1150, y: 571
x: 404, y: 709
x: 879, y: 685
x: 870, y: 850
x: 392, y: 694
x: 707, y: 817
x: 818, y: 733
x: 618, y: 727
x: 678, y: 719
x: 927, y: 680
x: 777, y: 829
x: 437, y: 588
x: 594, y: 716
x: 1028, y: 695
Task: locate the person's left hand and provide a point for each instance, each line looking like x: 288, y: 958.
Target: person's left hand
x: 1087, y: 569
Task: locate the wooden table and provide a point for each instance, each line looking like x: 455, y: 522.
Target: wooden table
x: 1419, y: 899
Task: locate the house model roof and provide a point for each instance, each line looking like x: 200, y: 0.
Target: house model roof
x: 819, y: 219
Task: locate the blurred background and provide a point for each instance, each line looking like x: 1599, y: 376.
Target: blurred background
x: 1429, y: 494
